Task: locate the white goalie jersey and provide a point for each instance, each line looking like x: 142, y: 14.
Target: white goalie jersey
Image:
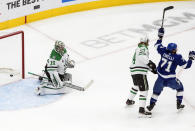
x: 140, y: 60
x: 56, y: 66
x: 55, y: 70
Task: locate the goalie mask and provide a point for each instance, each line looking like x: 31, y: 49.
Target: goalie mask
x: 59, y: 47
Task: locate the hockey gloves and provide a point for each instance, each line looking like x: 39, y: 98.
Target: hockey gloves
x: 152, y: 67
x: 70, y: 64
x: 192, y: 55
x: 161, y: 33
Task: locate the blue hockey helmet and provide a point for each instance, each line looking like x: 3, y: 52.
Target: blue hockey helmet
x: 172, y: 46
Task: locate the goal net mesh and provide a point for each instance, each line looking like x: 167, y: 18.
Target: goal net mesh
x: 12, y: 55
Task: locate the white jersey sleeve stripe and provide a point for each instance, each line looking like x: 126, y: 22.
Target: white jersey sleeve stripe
x: 167, y: 76
x: 184, y: 66
x: 180, y: 93
x: 156, y: 46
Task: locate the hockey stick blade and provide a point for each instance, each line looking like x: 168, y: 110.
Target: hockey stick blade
x: 69, y: 85
x: 79, y: 88
x: 165, y: 9
x: 88, y: 85
x: 168, y: 8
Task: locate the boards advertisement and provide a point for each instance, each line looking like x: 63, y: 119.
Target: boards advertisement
x: 11, y: 9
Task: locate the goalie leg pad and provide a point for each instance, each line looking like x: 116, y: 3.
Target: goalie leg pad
x: 47, y: 88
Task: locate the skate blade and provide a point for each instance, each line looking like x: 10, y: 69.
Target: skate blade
x: 144, y: 116
x: 180, y: 110
x: 128, y: 106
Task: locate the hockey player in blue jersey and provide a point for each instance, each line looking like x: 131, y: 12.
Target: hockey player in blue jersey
x: 166, y: 70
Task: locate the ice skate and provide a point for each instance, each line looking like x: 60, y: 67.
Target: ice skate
x: 180, y: 106
x: 130, y: 102
x: 38, y: 91
x: 150, y: 107
x: 143, y: 113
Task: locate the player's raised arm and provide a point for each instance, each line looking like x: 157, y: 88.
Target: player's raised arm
x: 158, y: 45
x: 187, y: 64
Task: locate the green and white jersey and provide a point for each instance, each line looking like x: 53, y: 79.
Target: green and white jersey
x: 56, y: 62
x: 140, y: 60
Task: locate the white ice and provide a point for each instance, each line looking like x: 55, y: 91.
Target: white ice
x: 102, y: 107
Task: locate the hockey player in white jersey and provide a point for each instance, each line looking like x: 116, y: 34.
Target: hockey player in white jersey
x: 55, y: 71
x: 139, y: 68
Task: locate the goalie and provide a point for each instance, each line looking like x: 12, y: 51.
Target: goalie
x: 55, y: 70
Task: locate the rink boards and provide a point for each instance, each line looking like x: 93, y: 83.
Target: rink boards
x: 75, y: 7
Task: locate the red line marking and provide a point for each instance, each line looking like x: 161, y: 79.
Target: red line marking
x: 53, y: 39
x: 25, y: 19
x: 116, y: 51
x: 109, y: 53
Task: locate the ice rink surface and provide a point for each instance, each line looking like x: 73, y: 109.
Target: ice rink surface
x: 102, y: 43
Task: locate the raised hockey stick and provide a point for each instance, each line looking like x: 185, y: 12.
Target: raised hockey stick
x: 165, y: 9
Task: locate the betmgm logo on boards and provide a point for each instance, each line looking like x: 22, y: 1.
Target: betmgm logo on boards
x: 124, y: 36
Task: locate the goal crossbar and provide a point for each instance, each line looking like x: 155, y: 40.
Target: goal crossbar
x: 22, y: 44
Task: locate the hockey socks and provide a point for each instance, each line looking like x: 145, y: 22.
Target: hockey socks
x: 142, y: 98
x: 133, y: 93
x: 179, y: 100
x: 153, y: 100
x: 179, y: 96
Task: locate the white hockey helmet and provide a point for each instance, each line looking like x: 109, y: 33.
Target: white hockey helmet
x: 59, y: 47
x: 144, y: 39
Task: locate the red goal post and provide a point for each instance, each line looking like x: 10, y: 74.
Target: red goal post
x: 22, y: 46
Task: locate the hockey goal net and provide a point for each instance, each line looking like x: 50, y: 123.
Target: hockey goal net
x: 12, y: 55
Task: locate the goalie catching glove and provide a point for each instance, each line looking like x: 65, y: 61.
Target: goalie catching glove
x: 70, y: 64
x: 152, y: 67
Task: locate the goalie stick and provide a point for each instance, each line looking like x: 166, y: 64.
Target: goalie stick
x: 69, y: 85
x: 165, y: 9
x: 79, y: 87
x: 40, y: 77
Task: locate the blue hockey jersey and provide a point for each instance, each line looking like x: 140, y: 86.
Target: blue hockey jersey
x: 169, y: 62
